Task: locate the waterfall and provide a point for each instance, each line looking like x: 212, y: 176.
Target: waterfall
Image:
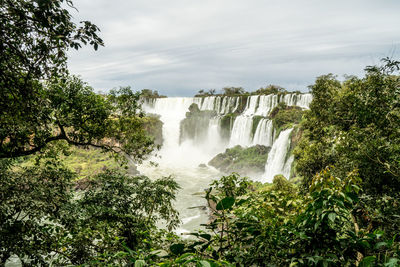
x: 264, y: 133
x: 266, y: 104
x: 304, y: 100
x: 251, y: 105
x: 241, y: 131
x: 288, y: 167
x: 277, y: 156
x: 181, y: 160
x: 208, y: 103
x: 214, y: 141
x: 244, y: 132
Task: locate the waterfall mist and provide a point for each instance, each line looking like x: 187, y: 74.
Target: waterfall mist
x: 185, y: 158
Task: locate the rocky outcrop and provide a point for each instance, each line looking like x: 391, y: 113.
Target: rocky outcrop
x: 195, y: 125
x: 245, y: 161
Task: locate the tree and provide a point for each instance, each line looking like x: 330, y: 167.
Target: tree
x: 211, y: 92
x: 40, y: 103
x: 41, y: 217
x: 148, y: 93
x: 35, y: 36
x: 31, y: 204
x: 71, y: 111
x: 354, y: 125
x: 34, y: 39
x: 229, y: 91
x: 43, y: 109
x: 271, y: 89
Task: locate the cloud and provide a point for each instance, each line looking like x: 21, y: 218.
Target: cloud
x: 180, y: 46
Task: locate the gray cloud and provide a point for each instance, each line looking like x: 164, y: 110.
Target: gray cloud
x: 181, y: 46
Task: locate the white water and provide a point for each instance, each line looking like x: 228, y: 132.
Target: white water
x: 182, y: 160
x: 264, y: 134
x: 267, y: 104
x: 276, y: 157
x: 251, y: 105
x: 241, y: 131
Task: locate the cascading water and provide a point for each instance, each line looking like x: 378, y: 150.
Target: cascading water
x: 266, y: 104
x: 241, y: 131
x: 182, y: 159
x: 264, y: 133
x: 277, y: 156
x: 251, y: 105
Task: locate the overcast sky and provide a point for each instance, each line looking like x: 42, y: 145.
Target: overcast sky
x: 180, y: 46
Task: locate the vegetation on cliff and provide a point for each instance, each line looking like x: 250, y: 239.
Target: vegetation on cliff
x: 240, y: 91
x: 148, y: 93
x: 284, y: 116
x: 195, y: 125
x: 245, y: 161
x: 153, y: 127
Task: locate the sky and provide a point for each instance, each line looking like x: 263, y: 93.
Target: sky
x: 178, y: 47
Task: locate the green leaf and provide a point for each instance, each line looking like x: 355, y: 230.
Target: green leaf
x: 332, y: 217
x: 225, y: 203
x: 392, y: 262
x: 204, y: 264
x: 183, y: 257
x: 380, y: 244
x: 367, y: 261
x: 206, y: 236
x: 140, y: 263
x: 177, y: 249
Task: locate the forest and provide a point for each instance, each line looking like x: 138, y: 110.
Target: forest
x: 343, y: 208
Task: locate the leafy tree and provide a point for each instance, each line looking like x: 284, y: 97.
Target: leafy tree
x: 354, y: 124
x: 229, y: 91
x: 42, y: 110
x: 117, y: 212
x: 34, y: 39
x: 31, y: 204
x: 201, y: 93
x: 42, y: 219
x: 40, y: 103
x: 277, y: 226
x: 71, y: 111
x: 271, y: 89
x: 148, y: 93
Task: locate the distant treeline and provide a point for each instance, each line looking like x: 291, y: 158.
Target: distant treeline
x: 235, y: 91
x: 226, y: 91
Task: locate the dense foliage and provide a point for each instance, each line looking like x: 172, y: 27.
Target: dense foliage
x: 34, y: 39
x: 278, y: 226
x: 355, y: 124
x: 270, y: 89
x: 43, y: 219
x: 284, y: 116
x: 44, y: 110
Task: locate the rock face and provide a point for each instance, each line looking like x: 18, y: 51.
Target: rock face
x: 195, y: 125
x: 153, y: 126
x: 245, y: 161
